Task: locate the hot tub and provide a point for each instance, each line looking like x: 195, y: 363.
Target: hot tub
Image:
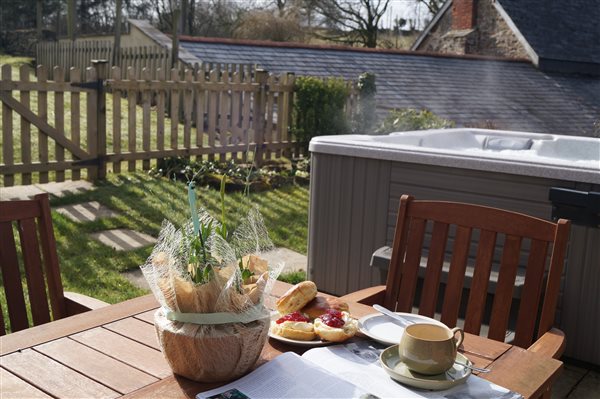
x: 357, y: 180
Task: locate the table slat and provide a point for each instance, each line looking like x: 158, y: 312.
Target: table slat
x: 114, y: 374
x: 53, y: 377
x: 136, y: 330
x: 173, y: 386
x: 483, y: 347
x: 70, y: 325
x: 125, y: 350
x: 147, y: 316
x: 14, y: 387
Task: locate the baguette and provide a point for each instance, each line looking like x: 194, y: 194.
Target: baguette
x: 296, y: 297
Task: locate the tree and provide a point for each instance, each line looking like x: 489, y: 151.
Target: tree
x: 71, y: 27
x: 39, y: 10
x: 117, y: 44
x: 352, y: 21
x: 264, y: 25
x: 432, y: 5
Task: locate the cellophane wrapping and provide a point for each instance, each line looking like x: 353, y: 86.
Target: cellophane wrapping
x: 212, y: 352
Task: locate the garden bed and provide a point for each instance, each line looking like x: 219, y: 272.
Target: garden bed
x: 238, y: 176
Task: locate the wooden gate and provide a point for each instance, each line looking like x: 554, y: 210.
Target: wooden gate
x: 52, y: 149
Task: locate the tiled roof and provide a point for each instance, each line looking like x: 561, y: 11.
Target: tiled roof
x: 513, y: 95
x: 560, y: 30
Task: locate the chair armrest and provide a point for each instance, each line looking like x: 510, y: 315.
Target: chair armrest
x: 78, y: 303
x: 551, y: 344
x: 367, y: 296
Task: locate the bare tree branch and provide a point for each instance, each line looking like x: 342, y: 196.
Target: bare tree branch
x: 357, y: 20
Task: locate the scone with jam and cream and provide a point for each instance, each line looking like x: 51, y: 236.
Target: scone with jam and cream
x: 294, y: 325
x: 335, y: 326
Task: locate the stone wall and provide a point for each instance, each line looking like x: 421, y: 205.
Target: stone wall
x: 491, y: 36
x: 494, y: 35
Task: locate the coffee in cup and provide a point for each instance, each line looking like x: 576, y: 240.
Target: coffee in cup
x: 429, y: 349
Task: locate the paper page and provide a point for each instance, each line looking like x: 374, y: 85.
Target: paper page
x: 358, y: 363
x: 287, y: 376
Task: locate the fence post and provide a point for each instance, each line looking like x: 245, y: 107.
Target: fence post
x: 101, y: 74
x: 258, y: 114
x: 288, y: 114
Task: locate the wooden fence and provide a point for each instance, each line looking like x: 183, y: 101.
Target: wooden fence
x: 111, y: 119
x: 80, y: 54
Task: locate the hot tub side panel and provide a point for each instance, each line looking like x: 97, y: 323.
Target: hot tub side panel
x: 347, y: 221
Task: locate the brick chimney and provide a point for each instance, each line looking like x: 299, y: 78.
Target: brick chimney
x: 463, y: 14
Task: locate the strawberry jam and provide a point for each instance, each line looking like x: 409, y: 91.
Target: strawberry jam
x: 333, y: 318
x: 294, y: 316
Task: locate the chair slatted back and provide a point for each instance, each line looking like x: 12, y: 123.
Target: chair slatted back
x: 40, y: 263
x: 480, y: 226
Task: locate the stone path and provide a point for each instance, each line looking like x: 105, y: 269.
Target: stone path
x: 119, y: 239
x: 123, y: 239
x: 55, y: 189
x: 86, y: 212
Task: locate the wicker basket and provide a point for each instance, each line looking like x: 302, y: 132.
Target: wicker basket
x: 210, y: 353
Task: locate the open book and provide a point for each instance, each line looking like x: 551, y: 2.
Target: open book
x: 351, y: 370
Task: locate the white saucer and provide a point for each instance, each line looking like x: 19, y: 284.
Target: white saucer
x: 392, y: 365
x: 386, y: 330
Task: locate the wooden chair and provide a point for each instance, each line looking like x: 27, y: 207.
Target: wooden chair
x: 540, y: 292
x: 41, y: 268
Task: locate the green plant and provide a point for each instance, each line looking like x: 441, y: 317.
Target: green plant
x: 399, y: 120
x: 234, y: 176
x: 319, y: 108
x: 293, y: 277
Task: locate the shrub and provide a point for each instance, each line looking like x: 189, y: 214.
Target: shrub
x: 399, y: 120
x: 319, y: 108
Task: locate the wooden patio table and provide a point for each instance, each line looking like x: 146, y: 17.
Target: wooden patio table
x: 113, y: 352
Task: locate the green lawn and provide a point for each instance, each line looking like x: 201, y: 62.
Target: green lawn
x: 144, y: 202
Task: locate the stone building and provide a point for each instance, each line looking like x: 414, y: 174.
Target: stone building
x: 554, y: 35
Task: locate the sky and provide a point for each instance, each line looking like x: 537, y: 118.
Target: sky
x: 407, y: 9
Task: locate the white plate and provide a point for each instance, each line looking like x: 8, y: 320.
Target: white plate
x: 310, y: 344
x: 387, y: 331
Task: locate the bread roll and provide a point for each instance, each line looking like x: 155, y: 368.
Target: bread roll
x: 298, y: 330
x: 320, y: 305
x: 336, y: 334
x: 296, y: 297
